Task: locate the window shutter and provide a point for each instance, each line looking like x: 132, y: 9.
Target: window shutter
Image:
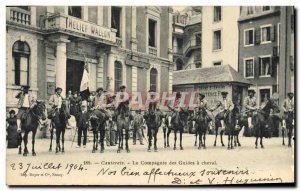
x: 257, y: 36
x: 273, y: 33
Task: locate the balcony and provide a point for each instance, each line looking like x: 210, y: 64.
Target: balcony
x: 177, y: 51
x: 191, y: 45
x: 18, y: 15
x: 152, y: 51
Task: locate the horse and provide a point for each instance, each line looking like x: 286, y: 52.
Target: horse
x: 222, y: 131
x: 123, y: 122
x: 178, y: 122
x: 167, y: 129
x: 242, y: 123
x: 230, y: 121
x: 289, y: 127
x: 201, y: 125
x: 59, y: 122
x: 153, y: 121
x: 261, y: 120
x: 30, y: 124
x: 97, y: 121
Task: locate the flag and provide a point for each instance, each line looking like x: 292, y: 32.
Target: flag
x: 84, y: 85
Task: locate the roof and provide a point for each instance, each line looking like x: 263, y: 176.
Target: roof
x: 216, y: 74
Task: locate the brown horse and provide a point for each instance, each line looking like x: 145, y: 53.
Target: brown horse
x: 153, y: 120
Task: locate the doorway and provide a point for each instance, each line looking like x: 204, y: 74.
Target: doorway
x: 74, y: 74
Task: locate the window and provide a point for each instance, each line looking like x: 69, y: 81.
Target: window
x: 217, y: 40
x: 265, y: 66
x: 179, y: 65
x: 75, y: 11
x: 116, y: 19
x: 249, y: 68
x: 118, y: 75
x: 266, y: 34
x: 266, y: 8
x: 217, y: 63
x: 152, y: 31
x: 250, y: 10
x: 217, y: 13
x: 264, y: 95
x: 21, y: 53
x: 249, y: 37
x: 153, y: 79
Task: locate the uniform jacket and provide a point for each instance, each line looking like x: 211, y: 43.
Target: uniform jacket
x: 224, y: 104
x: 250, y: 103
x: 100, y: 101
x: 54, y: 100
x: 21, y: 97
x: 288, y: 105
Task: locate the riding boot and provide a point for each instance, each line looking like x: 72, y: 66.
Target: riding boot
x: 102, y: 148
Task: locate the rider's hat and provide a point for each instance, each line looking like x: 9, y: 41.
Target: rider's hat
x: 201, y: 95
x: 99, y: 89
x: 122, y: 87
x: 224, y: 93
x: 290, y: 94
x: 58, y: 88
x: 253, y: 91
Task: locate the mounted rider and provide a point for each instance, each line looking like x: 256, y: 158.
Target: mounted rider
x: 152, y: 102
x: 250, y: 106
x: 100, y: 102
x: 25, y: 102
x: 288, y: 106
x: 123, y: 102
x: 55, y: 102
x: 225, y: 105
x: 203, y: 104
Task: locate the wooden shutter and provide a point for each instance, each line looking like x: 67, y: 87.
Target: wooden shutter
x: 273, y: 33
x: 257, y: 35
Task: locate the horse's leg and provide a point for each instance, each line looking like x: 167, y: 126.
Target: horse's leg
x: 155, y: 140
x: 231, y: 141
x: 120, y: 132
x: 282, y: 131
x: 235, y: 140
x: 238, y: 141
x: 261, y: 138
x: 20, y: 142
x: 51, y: 138
x: 165, y: 142
x: 175, y: 138
x: 216, y: 137
x: 228, y: 145
x: 168, y: 135
x: 94, y: 137
x: 181, y: 131
x: 221, y: 135
x: 204, y: 137
x: 25, y: 138
x: 290, y: 131
x: 102, y: 137
x: 126, y: 140
x: 33, y: 142
x: 149, y: 133
x: 63, y: 140
x: 57, y: 139
x: 200, y: 139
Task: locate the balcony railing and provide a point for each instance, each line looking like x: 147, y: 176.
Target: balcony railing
x: 19, y: 15
x: 194, y: 43
x: 152, y: 51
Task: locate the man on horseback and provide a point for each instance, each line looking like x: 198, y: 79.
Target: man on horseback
x: 153, y: 102
x: 26, y: 101
x: 287, y: 106
x: 124, y: 103
x: 55, y: 102
x: 250, y: 106
x: 203, y: 104
x: 225, y: 105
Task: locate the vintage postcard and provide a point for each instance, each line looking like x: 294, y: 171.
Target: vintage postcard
x: 150, y: 95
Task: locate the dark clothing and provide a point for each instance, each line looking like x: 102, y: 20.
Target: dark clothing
x: 75, y: 105
x: 83, y: 124
x: 21, y: 111
x: 12, y: 134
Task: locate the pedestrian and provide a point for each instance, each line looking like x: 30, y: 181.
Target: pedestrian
x: 138, y: 121
x: 13, y: 136
x: 83, y: 125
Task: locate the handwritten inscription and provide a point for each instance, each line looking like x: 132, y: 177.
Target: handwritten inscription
x: 203, y: 172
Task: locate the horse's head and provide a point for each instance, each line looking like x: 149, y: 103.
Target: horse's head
x: 39, y: 110
x: 271, y: 104
x: 64, y: 112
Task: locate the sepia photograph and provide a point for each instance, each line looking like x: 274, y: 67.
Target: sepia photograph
x: 150, y: 95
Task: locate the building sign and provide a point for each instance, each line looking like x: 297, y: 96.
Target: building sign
x: 87, y: 28
x: 50, y: 88
x: 212, y: 92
